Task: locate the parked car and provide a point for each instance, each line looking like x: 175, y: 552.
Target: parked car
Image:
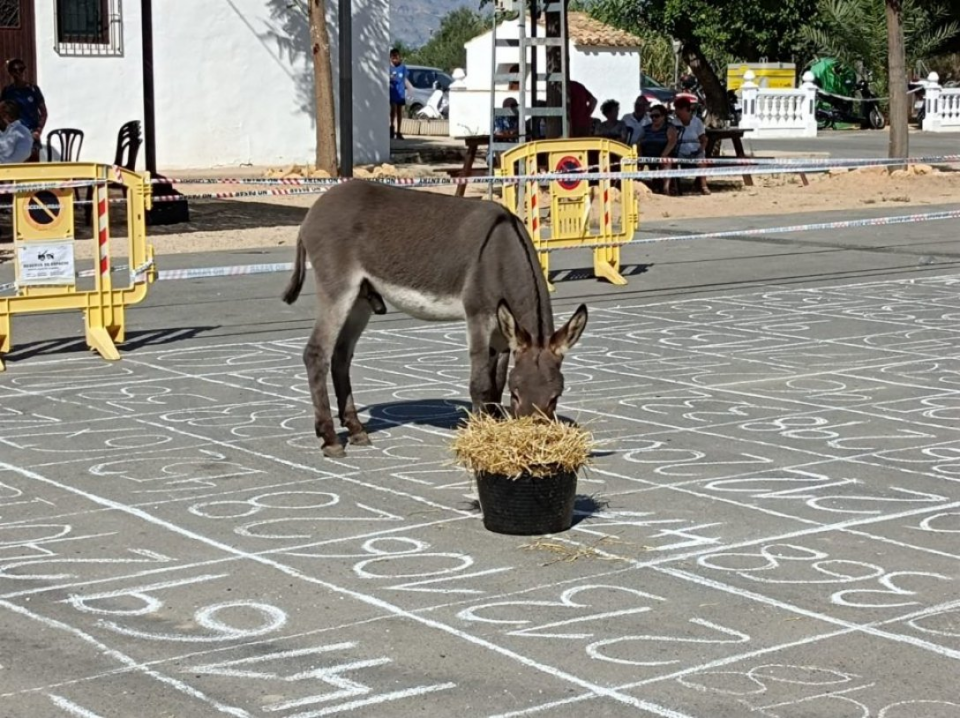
x: 423, y: 79
x: 653, y: 90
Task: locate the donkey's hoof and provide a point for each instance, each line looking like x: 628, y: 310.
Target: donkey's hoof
x: 334, y: 451
x: 360, y: 439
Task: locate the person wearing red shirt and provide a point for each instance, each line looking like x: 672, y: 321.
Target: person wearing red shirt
x: 581, y: 106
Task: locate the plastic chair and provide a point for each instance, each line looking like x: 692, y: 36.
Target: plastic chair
x: 129, y: 140
x: 70, y: 142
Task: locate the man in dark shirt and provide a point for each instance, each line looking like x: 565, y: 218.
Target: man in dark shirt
x: 33, y: 106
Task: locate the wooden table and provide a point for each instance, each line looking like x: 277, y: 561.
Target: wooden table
x: 716, y: 136
x: 473, y: 143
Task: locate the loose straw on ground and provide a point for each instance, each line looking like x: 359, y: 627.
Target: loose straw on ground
x: 515, y: 447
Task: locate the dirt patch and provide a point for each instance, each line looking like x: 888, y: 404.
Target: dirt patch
x: 271, y: 221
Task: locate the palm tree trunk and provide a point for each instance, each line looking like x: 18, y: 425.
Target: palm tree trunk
x: 897, y: 84
x: 323, y: 89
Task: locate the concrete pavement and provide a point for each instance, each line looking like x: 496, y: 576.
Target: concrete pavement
x: 769, y: 527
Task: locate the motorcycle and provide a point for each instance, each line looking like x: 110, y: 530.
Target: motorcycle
x: 918, y: 88
x: 832, y: 109
x: 734, y: 109
x: 691, y: 90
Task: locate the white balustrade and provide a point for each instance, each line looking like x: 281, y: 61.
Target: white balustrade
x: 774, y: 113
x: 941, y: 106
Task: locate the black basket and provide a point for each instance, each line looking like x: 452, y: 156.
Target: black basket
x: 527, y: 505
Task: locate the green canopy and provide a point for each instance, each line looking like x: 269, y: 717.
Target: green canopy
x: 833, y: 77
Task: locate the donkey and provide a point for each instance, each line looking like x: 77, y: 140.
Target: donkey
x: 436, y: 258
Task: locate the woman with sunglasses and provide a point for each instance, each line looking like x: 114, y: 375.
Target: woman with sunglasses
x: 658, y: 138
x: 33, y: 106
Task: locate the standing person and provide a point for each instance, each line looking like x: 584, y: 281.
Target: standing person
x: 582, y: 104
x: 32, y: 105
x: 399, y: 83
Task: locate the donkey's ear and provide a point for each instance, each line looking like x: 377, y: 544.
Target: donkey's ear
x: 516, y: 335
x: 569, y: 334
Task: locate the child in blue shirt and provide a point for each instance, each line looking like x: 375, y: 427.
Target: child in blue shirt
x: 399, y: 83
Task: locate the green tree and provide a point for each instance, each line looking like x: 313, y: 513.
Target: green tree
x: 745, y: 30
x: 855, y: 33
x: 445, y: 47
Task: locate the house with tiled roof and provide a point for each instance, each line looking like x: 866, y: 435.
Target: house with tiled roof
x: 605, y: 59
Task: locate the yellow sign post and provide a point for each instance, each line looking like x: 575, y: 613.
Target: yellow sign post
x: 44, y: 244
x: 582, y: 213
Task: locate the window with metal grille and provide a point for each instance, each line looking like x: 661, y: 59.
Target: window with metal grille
x: 9, y: 14
x: 89, y: 27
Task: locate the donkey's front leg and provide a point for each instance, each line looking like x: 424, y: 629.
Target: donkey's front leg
x: 483, y: 373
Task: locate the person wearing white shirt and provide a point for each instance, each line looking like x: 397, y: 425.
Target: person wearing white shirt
x: 693, y: 137
x: 16, y: 141
x: 636, y: 119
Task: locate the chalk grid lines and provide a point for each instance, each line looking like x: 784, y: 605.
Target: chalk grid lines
x: 768, y: 529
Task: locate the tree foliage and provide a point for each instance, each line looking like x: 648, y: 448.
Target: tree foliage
x: 745, y: 30
x: 714, y: 32
x: 855, y: 32
x: 445, y: 48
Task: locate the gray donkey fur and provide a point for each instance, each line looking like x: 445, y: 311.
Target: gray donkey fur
x: 436, y: 258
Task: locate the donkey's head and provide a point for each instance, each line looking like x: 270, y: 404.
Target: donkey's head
x: 536, y: 382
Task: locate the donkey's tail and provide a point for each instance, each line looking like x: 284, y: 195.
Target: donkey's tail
x: 292, y: 290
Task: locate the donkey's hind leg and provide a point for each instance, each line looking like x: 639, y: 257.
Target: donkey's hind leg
x: 342, y: 357
x: 316, y: 357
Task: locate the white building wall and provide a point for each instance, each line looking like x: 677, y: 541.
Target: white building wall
x: 609, y: 73
x: 93, y: 94
x: 233, y: 83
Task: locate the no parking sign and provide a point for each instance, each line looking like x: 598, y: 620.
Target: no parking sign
x: 44, y: 214
x: 569, y: 163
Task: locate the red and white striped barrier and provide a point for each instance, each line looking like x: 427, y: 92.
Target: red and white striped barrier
x: 103, y: 248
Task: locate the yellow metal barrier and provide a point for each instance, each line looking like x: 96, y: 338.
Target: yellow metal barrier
x: 44, y: 243
x: 581, y: 212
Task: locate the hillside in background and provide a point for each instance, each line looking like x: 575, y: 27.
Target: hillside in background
x: 413, y: 21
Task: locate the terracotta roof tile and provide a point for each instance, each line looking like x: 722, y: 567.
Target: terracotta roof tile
x: 588, y: 32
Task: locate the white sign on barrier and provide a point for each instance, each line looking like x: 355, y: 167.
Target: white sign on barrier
x: 45, y: 263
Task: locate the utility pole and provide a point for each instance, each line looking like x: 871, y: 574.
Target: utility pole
x: 897, y: 84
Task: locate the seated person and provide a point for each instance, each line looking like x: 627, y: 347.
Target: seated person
x: 612, y: 127
x: 693, y: 137
x: 507, y: 127
x: 16, y: 141
x: 636, y: 119
x: 658, y: 138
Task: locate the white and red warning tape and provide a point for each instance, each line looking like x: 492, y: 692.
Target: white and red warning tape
x: 713, y: 167
x: 138, y: 274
